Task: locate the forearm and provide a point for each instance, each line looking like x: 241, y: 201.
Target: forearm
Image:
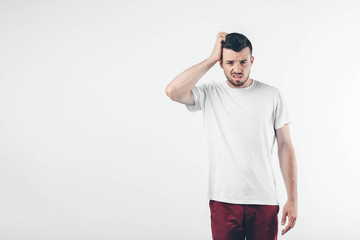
x: 186, y: 80
x: 288, y: 168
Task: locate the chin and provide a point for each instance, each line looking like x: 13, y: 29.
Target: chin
x: 237, y: 83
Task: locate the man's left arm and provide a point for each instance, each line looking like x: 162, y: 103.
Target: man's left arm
x: 288, y: 168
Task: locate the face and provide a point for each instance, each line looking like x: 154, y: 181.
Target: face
x: 237, y: 66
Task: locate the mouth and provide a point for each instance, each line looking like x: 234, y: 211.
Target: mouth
x: 237, y: 77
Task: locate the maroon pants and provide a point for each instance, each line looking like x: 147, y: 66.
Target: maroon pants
x: 236, y: 221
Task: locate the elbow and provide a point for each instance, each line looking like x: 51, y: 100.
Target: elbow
x: 285, y: 146
x: 286, y: 149
x: 169, y: 90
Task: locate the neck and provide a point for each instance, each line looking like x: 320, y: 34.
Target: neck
x: 247, y: 83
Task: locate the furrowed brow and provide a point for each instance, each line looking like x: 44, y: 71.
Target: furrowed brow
x: 243, y: 60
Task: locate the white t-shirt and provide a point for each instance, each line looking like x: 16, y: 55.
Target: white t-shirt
x: 239, y: 126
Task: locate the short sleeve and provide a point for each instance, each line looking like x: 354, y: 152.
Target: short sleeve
x: 199, y: 96
x: 281, y: 116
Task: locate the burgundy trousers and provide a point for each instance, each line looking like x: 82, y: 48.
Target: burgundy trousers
x: 236, y: 221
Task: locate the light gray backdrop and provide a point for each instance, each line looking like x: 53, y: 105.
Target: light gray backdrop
x: 92, y: 148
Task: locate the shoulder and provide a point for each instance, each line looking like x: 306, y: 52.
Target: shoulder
x: 208, y: 85
x: 268, y: 89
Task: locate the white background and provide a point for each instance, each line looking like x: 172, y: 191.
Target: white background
x: 92, y: 148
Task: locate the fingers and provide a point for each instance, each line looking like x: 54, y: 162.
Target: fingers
x: 293, y: 221
x: 289, y: 214
x: 291, y: 224
x: 286, y: 229
x: 217, y: 50
x: 221, y: 36
x: 283, y: 219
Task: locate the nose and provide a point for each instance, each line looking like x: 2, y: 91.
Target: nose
x: 237, y: 68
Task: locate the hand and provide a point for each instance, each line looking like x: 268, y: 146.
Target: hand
x: 216, y: 53
x: 289, y: 211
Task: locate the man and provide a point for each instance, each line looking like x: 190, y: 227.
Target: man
x: 242, y: 118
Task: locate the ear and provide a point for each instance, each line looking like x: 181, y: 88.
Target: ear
x: 221, y: 64
x: 252, y: 60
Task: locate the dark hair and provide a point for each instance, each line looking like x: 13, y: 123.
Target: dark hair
x: 236, y: 42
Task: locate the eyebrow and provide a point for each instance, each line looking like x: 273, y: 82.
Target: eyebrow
x: 240, y: 60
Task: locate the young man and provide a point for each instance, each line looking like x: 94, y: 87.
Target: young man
x: 242, y: 118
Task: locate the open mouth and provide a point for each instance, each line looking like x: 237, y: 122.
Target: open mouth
x: 237, y: 77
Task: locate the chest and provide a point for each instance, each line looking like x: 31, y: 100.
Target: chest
x: 247, y: 110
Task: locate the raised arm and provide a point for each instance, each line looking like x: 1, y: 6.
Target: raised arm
x: 179, y: 89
